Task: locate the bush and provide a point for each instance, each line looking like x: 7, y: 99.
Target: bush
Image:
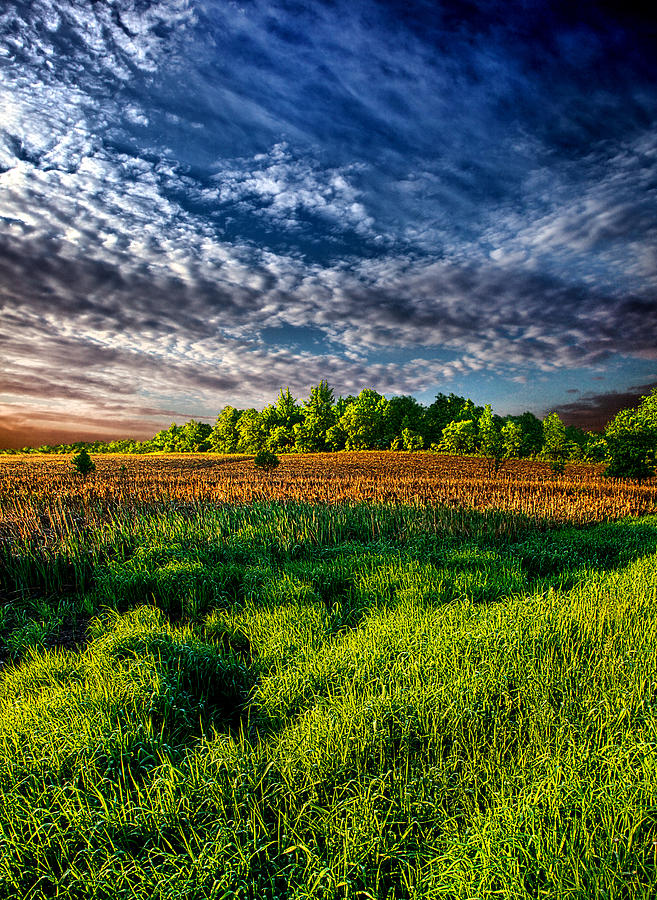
x: 266, y: 460
x: 82, y: 463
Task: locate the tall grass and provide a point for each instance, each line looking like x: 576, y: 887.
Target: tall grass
x: 293, y: 701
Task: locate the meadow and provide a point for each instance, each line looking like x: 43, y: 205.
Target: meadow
x: 372, y: 676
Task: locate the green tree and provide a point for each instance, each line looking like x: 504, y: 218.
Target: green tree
x: 532, y: 434
x: 319, y: 417
x: 595, y: 449
x: 225, y: 436
x: 288, y: 409
x: 631, y: 439
x: 364, y: 421
x: 266, y: 460
x: 167, y: 441
x: 302, y: 440
x: 251, y: 432
x: 194, y: 437
x: 336, y: 437
x: 458, y: 437
x: 443, y: 410
x: 511, y: 439
x: 277, y: 422
x: 279, y: 439
x: 405, y: 413
x: 555, y: 445
x: 490, y: 439
x: 411, y: 440
x: 83, y: 464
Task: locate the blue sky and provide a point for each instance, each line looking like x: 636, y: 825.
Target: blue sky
x: 203, y: 201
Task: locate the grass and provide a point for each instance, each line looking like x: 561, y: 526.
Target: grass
x: 354, y: 701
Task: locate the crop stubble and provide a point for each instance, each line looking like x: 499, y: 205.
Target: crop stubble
x: 45, y: 485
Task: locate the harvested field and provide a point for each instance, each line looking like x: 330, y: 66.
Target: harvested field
x: 45, y: 484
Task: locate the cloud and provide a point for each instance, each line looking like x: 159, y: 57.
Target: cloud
x: 180, y: 181
x: 595, y: 410
x: 597, y: 217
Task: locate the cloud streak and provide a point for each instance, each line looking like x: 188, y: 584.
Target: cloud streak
x: 186, y: 188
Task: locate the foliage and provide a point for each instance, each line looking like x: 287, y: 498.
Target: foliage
x: 82, y: 463
x: 266, y: 460
x: 225, y: 436
x: 251, y: 432
x: 364, y: 421
x: 318, y: 419
x: 369, y: 421
x: 459, y: 437
x: 555, y: 447
x: 491, y: 444
x: 511, y: 434
x: 631, y: 439
x: 411, y: 440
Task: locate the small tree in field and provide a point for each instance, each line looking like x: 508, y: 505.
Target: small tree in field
x: 266, y: 460
x: 83, y: 464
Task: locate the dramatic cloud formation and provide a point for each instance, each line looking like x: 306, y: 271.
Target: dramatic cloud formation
x: 201, y: 201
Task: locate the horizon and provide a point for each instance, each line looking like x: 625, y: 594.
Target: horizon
x: 68, y: 438
x: 202, y: 201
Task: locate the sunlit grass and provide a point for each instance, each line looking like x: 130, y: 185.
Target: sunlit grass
x: 298, y: 701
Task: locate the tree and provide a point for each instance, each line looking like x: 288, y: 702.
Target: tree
x: 555, y: 447
x: 595, y: 449
x: 266, y: 460
x: 404, y: 413
x: 511, y: 439
x: 280, y: 439
x: 251, y: 432
x: 458, y: 437
x: 318, y: 418
x: 302, y: 440
x: 336, y: 437
x: 167, y: 440
x: 289, y: 411
x: 364, y: 421
x: 411, y: 440
x: 631, y: 439
x: 225, y: 436
x: 490, y: 439
x: 443, y: 410
x: 83, y: 464
x: 531, y: 429
x: 194, y: 437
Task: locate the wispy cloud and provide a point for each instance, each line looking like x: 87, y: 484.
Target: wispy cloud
x: 179, y: 181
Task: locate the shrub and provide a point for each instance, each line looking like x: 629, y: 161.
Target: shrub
x: 82, y: 463
x: 265, y: 460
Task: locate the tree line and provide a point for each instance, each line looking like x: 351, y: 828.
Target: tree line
x: 370, y: 421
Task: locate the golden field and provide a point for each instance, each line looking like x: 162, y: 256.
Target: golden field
x: 45, y: 485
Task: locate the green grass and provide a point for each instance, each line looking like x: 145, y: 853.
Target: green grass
x: 286, y: 701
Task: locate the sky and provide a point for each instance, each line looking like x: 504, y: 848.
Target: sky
x: 203, y: 201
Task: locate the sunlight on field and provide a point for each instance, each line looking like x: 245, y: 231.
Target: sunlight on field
x: 447, y: 694
x: 46, y: 484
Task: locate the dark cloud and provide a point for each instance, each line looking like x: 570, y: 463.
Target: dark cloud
x: 469, y: 186
x: 594, y: 411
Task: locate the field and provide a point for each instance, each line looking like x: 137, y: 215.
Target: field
x: 527, y: 487
x: 365, y: 676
